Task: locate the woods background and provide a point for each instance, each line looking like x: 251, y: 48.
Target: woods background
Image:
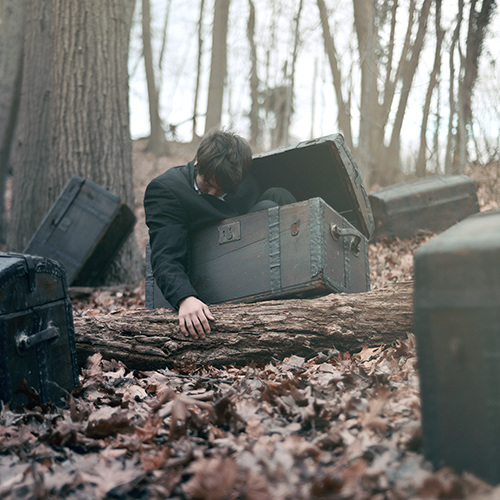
x: 378, y: 71
x: 412, y: 86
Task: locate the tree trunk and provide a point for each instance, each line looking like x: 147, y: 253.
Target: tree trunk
x: 421, y: 169
x: 290, y: 97
x: 157, y: 143
x: 343, y: 113
x: 32, y: 194
x: 371, y: 137
x: 74, y: 116
x: 11, y: 66
x: 478, y: 26
x: 476, y: 33
x: 218, y: 65
x: 258, y: 332
x: 254, y: 79
x: 377, y: 105
x: 313, y: 98
x: 161, y: 57
x: 409, y: 71
x: 450, y: 163
x: 198, y: 70
x: 391, y: 81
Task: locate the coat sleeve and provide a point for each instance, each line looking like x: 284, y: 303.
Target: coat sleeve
x: 168, y: 236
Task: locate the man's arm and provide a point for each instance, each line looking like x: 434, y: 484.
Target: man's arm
x: 167, y: 222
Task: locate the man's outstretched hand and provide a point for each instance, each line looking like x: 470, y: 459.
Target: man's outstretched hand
x: 194, y: 317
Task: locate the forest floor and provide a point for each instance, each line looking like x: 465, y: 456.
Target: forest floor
x: 337, y: 426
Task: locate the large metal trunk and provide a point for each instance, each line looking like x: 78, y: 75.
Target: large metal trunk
x: 300, y: 249
x: 316, y: 245
x: 457, y: 326
x: 431, y: 204
x: 83, y: 230
x: 37, y: 345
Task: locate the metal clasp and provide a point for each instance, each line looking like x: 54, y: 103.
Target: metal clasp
x: 338, y: 232
x: 229, y: 232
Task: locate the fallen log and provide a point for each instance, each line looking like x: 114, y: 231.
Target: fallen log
x: 256, y: 332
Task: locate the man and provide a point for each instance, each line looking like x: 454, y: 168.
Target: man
x: 212, y: 187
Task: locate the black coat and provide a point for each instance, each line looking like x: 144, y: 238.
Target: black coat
x: 174, y: 211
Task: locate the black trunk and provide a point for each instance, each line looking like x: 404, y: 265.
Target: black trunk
x: 432, y: 204
x: 83, y: 230
x: 37, y: 344
x: 457, y: 326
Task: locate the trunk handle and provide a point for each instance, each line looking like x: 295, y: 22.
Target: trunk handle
x: 338, y: 232
x: 25, y: 342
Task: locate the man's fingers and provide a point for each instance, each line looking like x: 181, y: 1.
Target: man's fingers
x: 195, y: 328
x: 187, y: 329
x: 183, y: 327
x: 192, y: 329
x: 204, y: 324
x: 198, y: 327
x: 208, y: 314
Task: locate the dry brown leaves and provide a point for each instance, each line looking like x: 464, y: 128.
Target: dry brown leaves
x: 345, y: 427
x: 391, y: 260
x: 337, y: 426
x: 107, y: 300
x: 487, y: 179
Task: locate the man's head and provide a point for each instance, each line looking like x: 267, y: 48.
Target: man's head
x: 223, y: 159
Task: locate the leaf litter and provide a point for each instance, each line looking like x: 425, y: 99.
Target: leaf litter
x: 336, y: 426
x: 348, y: 427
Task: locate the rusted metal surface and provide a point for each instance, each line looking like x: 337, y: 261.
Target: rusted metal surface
x: 37, y: 344
x: 431, y: 204
x: 457, y: 326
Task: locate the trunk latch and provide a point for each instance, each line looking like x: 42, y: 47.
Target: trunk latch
x: 229, y: 232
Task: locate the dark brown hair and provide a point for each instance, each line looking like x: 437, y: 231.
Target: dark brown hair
x: 224, y: 157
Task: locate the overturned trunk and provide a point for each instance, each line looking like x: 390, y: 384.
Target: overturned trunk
x: 257, y: 332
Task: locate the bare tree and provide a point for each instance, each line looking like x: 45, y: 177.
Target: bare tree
x: 408, y: 74
x: 476, y: 33
x: 32, y: 194
x: 278, y: 99
x: 255, y: 131
x: 313, y: 97
x: 11, y: 68
x: 198, y: 69
x: 343, y: 112
x: 433, y: 81
x: 157, y: 141
x: 218, y: 65
x: 370, y: 119
x: 291, y: 88
x: 74, y: 115
x: 163, y: 48
x: 381, y: 105
x: 449, y: 162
